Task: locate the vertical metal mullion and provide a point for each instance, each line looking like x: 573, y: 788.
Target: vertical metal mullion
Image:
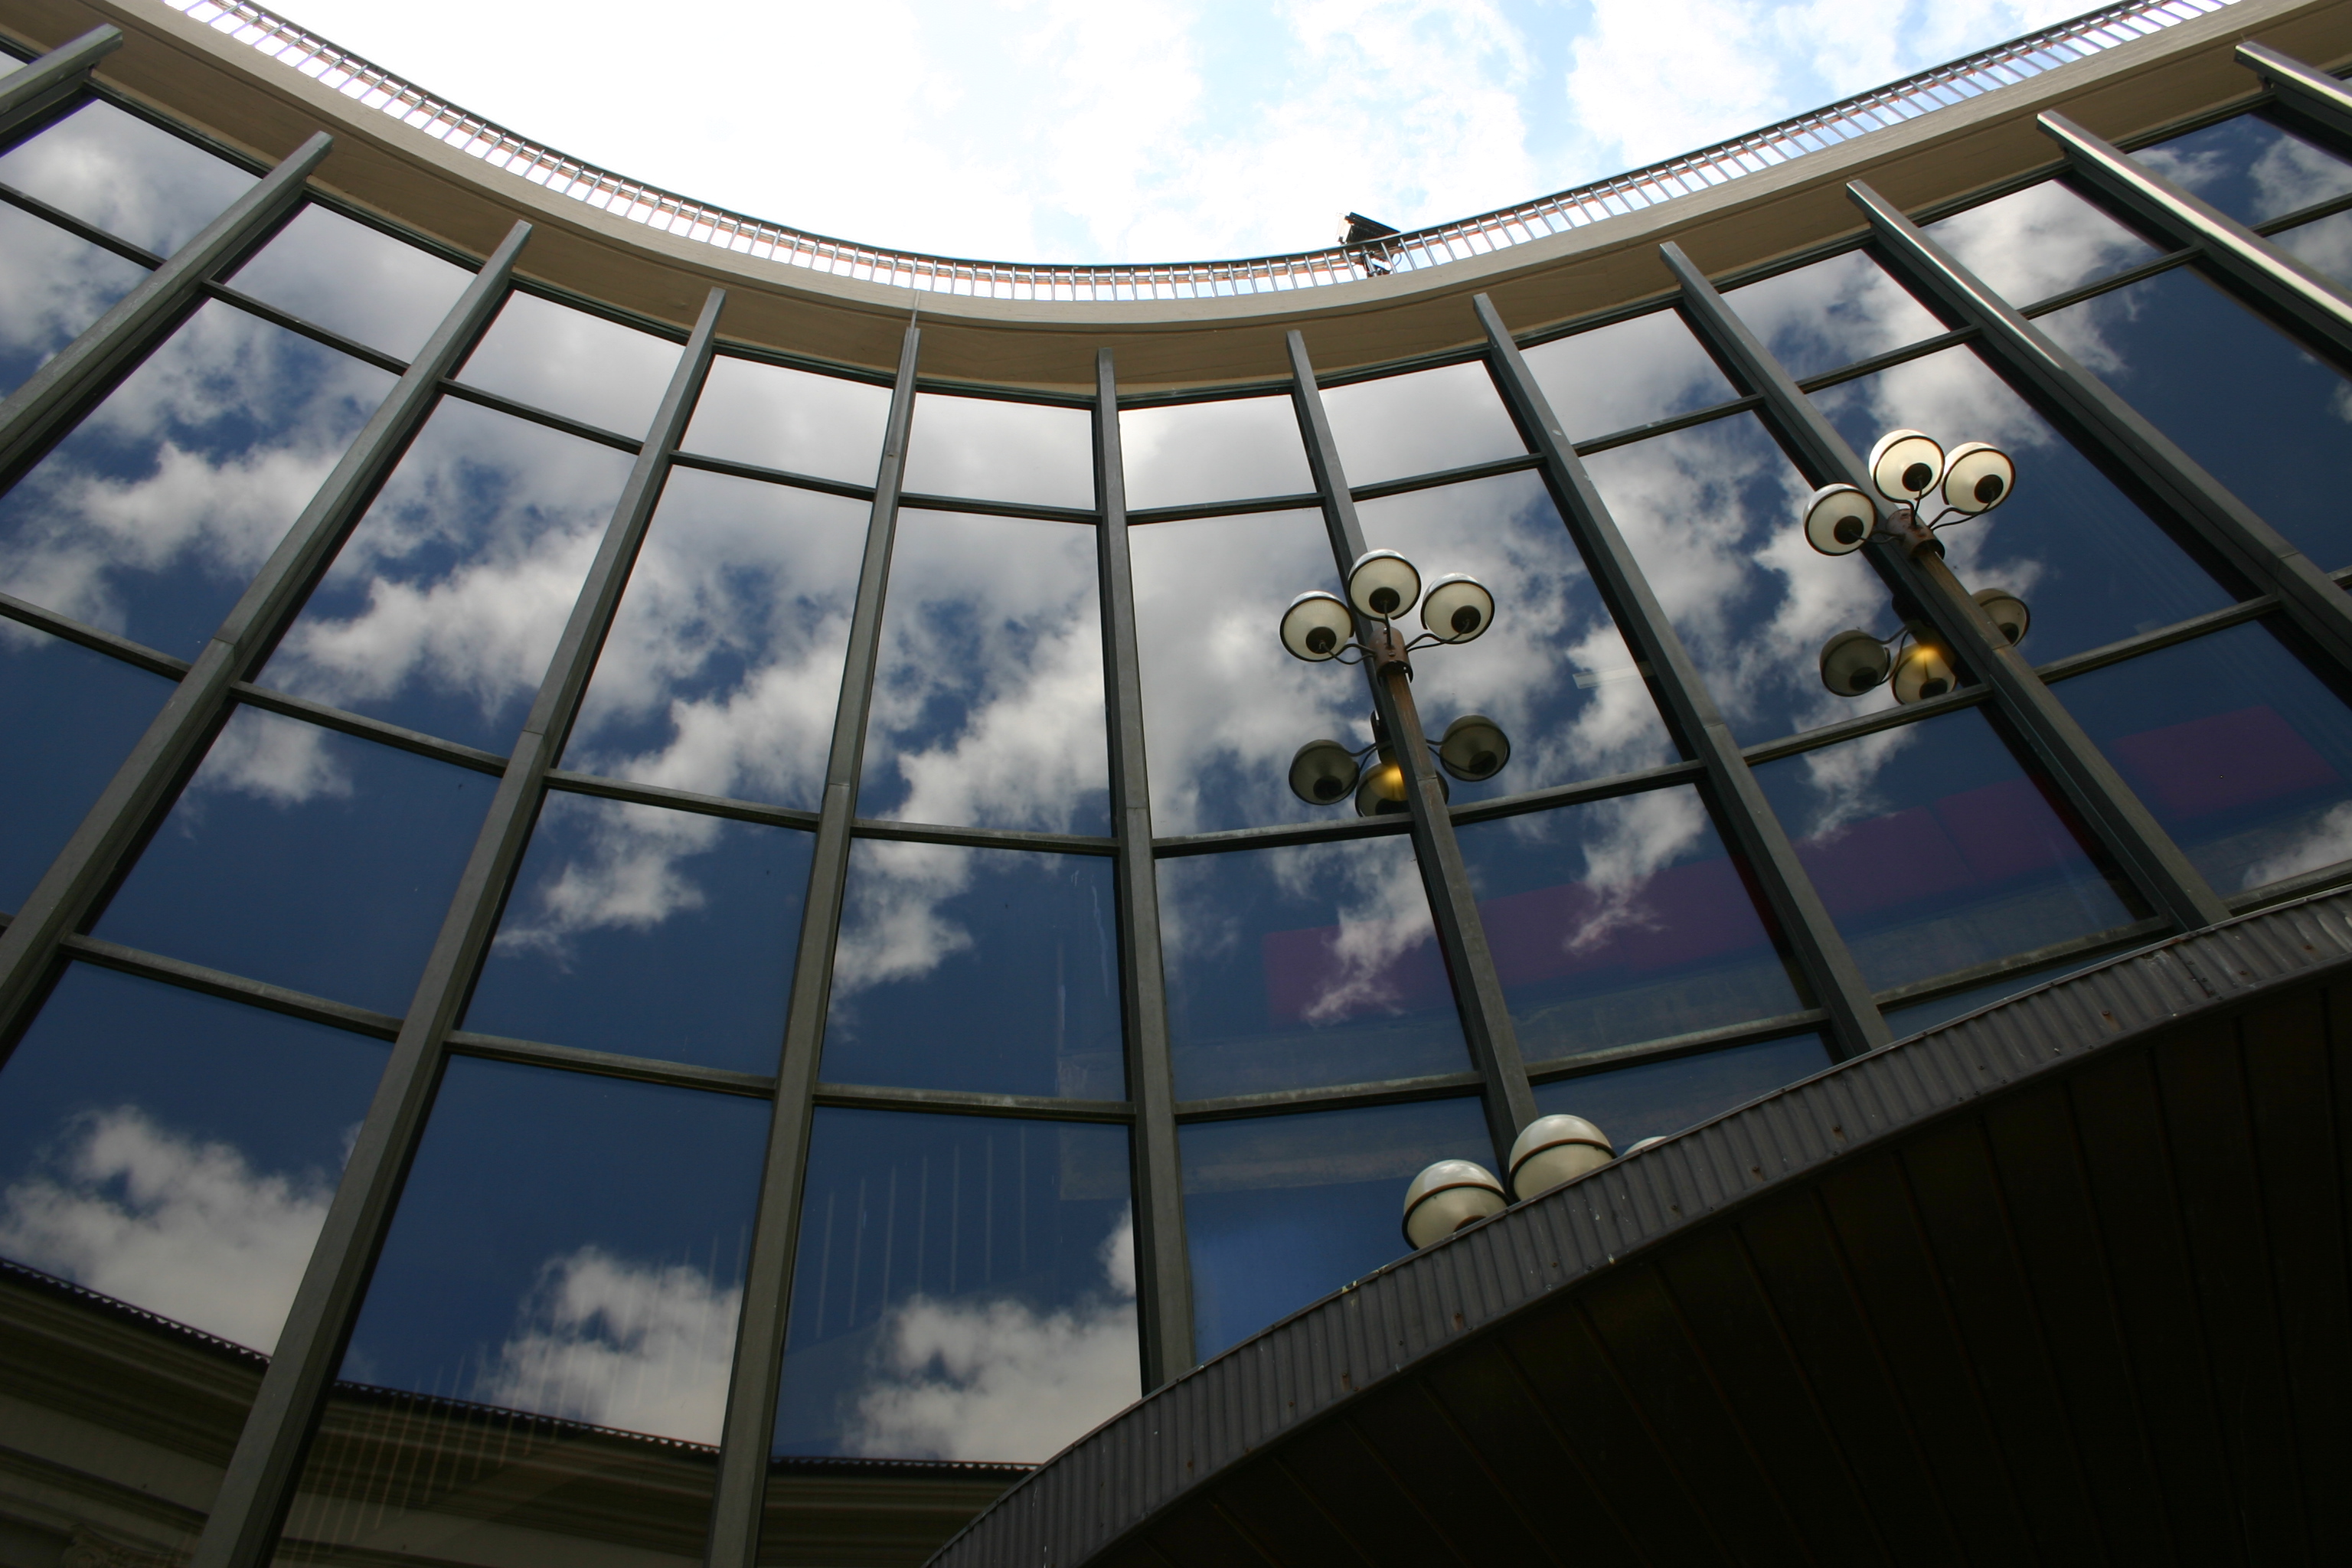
x: 259, y: 1482
x: 2300, y: 88
x: 1918, y: 577
x: 1510, y: 1103
x: 68, y: 894
x: 1163, y: 1268
x: 49, y: 81
x: 1757, y: 833
x: 55, y: 395
x: 750, y: 1429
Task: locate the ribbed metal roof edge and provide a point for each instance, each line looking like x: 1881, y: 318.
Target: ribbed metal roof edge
x: 1118, y: 1478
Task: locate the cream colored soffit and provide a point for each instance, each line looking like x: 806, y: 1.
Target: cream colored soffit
x: 208, y: 79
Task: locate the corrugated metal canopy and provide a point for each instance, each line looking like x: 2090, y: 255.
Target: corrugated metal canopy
x: 2065, y: 1280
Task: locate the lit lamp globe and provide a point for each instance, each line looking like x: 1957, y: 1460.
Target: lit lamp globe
x: 1445, y: 1197
x: 1556, y: 1149
x: 1382, y: 792
x: 1458, y: 608
x: 2007, y: 611
x: 1473, y: 748
x: 1854, y: 662
x: 1323, y: 773
x: 1906, y: 465
x: 1383, y: 584
x: 1923, y: 672
x: 1315, y: 626
x: 1838, y: 519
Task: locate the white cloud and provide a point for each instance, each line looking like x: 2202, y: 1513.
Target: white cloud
x: 272, y: 758
x: 2324, y: 843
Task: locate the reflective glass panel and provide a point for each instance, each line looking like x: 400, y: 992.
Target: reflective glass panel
x: 1627, y: 373
x: 1226, y: 708
x: 1923, y: 1016
x: 2250, y: 168
x: 307, y: 858
x: 569, y: 362
x: 52, y: 286
x: 1301, y: 967
x: 648, y: 932
x: 446, y: 603
x: 1622, y: 921
x: 1936, y: 851
x: 722, y: 667
x: 2244, y: 755
x: 71, y: 716
x: 1831, y: 313
x: 152, y: 517
x: 1657, y: 1099
x: 175, y: 1151
x: 115, y: 171
x: 1195, y: 452
x: 1419, y: 422
x: 1280, y: 1211
x: 964, y: 1288
x: 987, y: 701
x: 1713, y: 515
x: 791, y: 419
x: 2090, y: 566
x: 2237, y: 393
x: 993, y: 450
x: 340, y: 274
x: 1552, y: 669
x: 989, y: 970
x: 2325, y: 245
x: 2038, y: 242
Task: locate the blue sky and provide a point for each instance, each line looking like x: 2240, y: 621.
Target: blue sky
x: 1075, y: 130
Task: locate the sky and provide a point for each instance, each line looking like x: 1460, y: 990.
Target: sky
x: 1077, y: 130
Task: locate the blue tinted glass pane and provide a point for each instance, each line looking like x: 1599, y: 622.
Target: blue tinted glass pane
x: 2236, y: 393
x: 1627, y: 373
x: 1196, y: 452
x: 721, y: 669
x: 1552, y: 669
x: 649, y: 932
x: 1622, y: 921
x: 991, y: 969
x: 52, y: 286
x: 1280, y: 1211
x: 2243, y: 754
x: 175, y: 1151
x: 569, y: 1245
x: 446, y: 603
x: 115, y: 171
x: 306, y: 859
x: 152, y: 517
x: 347, y: 278
x: 1713, y: 515
x: 1419, y: 422
x: 791, y: 419
x: 2325, y: 245
x: 1923, y: 1016
x: 988, y: 704
x: 964, y: 1288
x: 570, y: 363
x: 2092, y: 566
x: 2250, y: 168
x: 1935, y: 851
x: 1301, y: 967
x: 71, y: 716
x: 1833, y: 314
x: 993, y: 450
x: 1658, y: 1098
x: 2039, y: 242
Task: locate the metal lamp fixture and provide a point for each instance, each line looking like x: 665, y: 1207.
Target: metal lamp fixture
x: 1554, y: 1150
x: 1445, y: 1197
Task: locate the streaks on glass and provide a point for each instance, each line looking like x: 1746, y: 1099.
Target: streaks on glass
x: 2243, y: 754
x: 1419, y: 422
x: 988, y: 970
x: 570, y: 363
x: 988, y: 697
x: 1552, y: 669
x: 721, y: 669
x: 1189, y: 453
x: 1656, y: 1099
x: 53, y: 285
x: 442, y: 609
x: 1303, y: 967
x: 796, y: 420
x: 2039, y: 242
x: 72, y: 716
x: 989, y: 449
x: 964, y: 1288
x: 1921, y: 1017
x: 1935, y: 851
x: 1831, y: 313
x: 2251, y: 168
x: 1622, y: 921
x: 338, y: 273
x: 116, y: 172
x: 150, y: 519
x: 1280, y: 1210
x: 175, y: 1151
x: 305, y: 858
x: 648, y: 932
x: 1626, y: 373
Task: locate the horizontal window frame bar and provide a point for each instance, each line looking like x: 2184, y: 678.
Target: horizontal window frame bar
x: 463, y: 392
x: 784, y: 358
x: 2116, y: 939
x: 1672, y: 424
x: 1299, y: 1101
x: 231, y: 987
x: 1468, y: 473
x: 784, y: 477
x: 1195, y: 511
x: 611, y: 1064
x: 87, y: 232
x: 1860, y: 368
x: 1233, y: 391
x: 1279, y: 835
x: 1666, y: 775
x: 1078, y: 516
x: 1864, y: 724
x: 2287, y: 889
x: 360, y: 727
x: 1667, y: 1047
x: 630, y: 793
x: 303, y: 327
x: 65, y: 628
x: 891, y: 830
x: 2126, y: 648
x: 971, y: 1102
